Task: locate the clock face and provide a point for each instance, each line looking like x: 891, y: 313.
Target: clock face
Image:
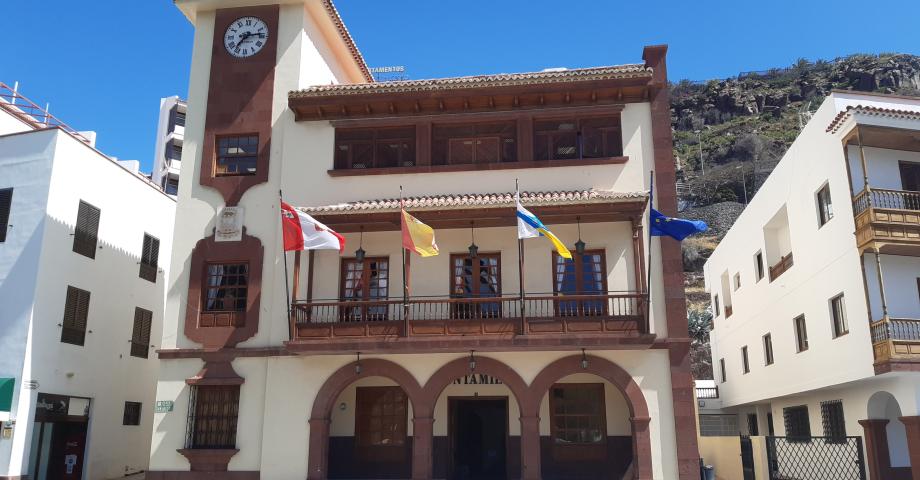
x: 245, y: 37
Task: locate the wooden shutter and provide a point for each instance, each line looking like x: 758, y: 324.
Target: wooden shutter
x: 140, y: 336
x: 6, y: 201
x: 76, y: 310
x: 86, y: 233
x: 149, y: 258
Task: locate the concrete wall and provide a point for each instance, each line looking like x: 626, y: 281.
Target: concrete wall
x: 102, y: 369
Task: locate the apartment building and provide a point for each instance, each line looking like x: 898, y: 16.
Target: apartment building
x: 815, y: 289
x: 167, y: 156
x: 318, y: 365
x: 82, y: 286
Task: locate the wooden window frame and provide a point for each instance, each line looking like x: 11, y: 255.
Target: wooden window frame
x: 76, y: 316
x: 223, y: 162
x: 759, y: 266
x: 580, y: 305
x: 207, y: 288
x: 722, y: 375
x: 578, y: 451
x: 839, y: 326
x: 140, y: 332
x: 6, y: 206
x: 150, y: 257
x: 500, y: 140
x: 86, y: 230
x: 737, y: 281
x: 207, y: 428
x: 767, y: 340
x: 364, y: 313
x: 745, y: 365
x: 906, y: 182
x: 379, y: 136
x: 825, y: 205
x: 365, y: 449
x: 475, y: 310
x: 132, y: 414
x: 797, y: 418
x: 550, y: 136
x: 801, y: 333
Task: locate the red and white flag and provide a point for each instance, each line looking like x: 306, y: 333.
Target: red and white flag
x: 302, y: 232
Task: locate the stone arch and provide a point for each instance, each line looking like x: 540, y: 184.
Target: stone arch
x: 621, y: 379
x: 457, y: 368
x: 318, y: 455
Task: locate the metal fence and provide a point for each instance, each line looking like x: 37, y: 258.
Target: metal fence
x: 816, y: 458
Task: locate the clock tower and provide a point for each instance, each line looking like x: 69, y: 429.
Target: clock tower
x: 247, y: 56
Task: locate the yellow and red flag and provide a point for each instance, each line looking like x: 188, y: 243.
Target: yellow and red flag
x: 418, y: 237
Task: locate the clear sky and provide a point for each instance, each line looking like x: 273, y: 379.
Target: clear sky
x: 104, y: 64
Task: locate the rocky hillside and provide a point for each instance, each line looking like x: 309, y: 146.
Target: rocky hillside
x: 740, y: 127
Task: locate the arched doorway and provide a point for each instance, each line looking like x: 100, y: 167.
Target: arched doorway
x: 478, y: 404
x: 364, y: 413
x: 886, y: 438
x: 574, y: 383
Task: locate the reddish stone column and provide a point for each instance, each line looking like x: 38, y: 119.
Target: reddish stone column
x: 318, y: 457
x: 874, y: 432
x: 530, y: 448
x: 642, y: 454
x: 422, y: 438
x: 912, y: 425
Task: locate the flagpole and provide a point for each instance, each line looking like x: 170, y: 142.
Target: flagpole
x: 648, y: 276
x: 402, y: 250
x: 517, y: 195
x: 287, y: 286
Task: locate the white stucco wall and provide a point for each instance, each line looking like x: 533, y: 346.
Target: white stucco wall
x: 25, y: 163
x: 66, y: 171
x: 826, y: 263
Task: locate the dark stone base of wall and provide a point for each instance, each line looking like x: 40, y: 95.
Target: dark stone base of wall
x: 187, y: 475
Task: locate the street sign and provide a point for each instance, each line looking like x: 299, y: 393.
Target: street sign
x: 163, y: 406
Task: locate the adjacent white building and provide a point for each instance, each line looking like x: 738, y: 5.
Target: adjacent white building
x: 815, y: 288
x: 167, y: 156
x: 84, y: 245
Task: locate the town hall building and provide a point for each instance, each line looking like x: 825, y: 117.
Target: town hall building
x: 480, y: 362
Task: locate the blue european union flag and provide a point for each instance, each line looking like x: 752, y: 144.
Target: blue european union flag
x: 676, y: 228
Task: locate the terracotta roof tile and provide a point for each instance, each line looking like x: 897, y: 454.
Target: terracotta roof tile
x: 851, y: 110
x: 480, y: 200
x: 346, y: 37
x: 498, y: 80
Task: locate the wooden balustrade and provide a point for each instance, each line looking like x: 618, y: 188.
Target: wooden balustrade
x: 896, y: 339
x: 619, y: 313
x: 785, y: 263
x: 887, y: 219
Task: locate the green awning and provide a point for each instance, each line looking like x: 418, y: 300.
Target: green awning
x: 6, y: 394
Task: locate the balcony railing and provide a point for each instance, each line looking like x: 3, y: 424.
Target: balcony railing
x: 27, y: 111
x: 886, y: 199
x: 887, y: 220
x: 896, y: 339
x: 785, y: 263
x: 615, y: 312
x: 707, y: 392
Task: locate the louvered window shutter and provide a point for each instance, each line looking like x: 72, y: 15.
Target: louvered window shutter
x: 150, y: 258
x: 76, y: 311
x: 86, y: 233
x: 140, y: 336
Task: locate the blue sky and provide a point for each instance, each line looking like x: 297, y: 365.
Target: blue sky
x: 105, y: 65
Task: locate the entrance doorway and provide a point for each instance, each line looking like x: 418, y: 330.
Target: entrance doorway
x: 477, y: 437
x: 59, y: 437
